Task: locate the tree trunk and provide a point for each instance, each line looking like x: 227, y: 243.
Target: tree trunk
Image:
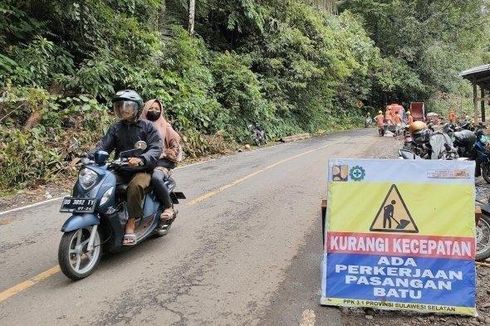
x: 192, y: 10
x: 325, y: 5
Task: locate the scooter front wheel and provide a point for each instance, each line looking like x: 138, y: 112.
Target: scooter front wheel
x: 75, y: 260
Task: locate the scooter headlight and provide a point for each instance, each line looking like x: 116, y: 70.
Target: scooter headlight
x: 87, y: 178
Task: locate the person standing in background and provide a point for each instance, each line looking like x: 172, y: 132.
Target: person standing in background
x: 409, y: 118
x: 452, y: 117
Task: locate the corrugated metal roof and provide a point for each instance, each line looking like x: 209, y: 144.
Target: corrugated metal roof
x: 479, y: 75
x: 475, y: 70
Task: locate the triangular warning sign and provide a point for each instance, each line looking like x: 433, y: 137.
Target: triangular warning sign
x: 393, y: 215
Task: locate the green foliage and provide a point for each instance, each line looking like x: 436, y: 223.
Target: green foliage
x: 285, y: 64
x: 238, y: 88
x: 426, y: 43
x: 68, y: 127
x: 21, y: 151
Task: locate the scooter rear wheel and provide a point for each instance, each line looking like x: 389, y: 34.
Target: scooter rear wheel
x: 76, y: 262
x: 485, y: 171
x: 483, y: 238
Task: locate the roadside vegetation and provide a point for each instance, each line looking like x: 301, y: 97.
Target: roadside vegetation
x: 292, y: 65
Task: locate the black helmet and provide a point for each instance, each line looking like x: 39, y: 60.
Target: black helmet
x: 127, y: 104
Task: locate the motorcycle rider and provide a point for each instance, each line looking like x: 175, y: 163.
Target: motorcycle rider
x: 122, y: 136
x: 171, y: 155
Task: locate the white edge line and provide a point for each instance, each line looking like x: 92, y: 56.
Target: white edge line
x: 30, y: 206
x: 177, y: 168
x: 59, y: 198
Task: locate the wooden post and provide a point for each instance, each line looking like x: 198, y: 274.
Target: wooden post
x: 324, y: 216
x: 482, y: 103
x: 475, y: 102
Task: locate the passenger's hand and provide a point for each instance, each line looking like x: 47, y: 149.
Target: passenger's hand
x: 134, y: 161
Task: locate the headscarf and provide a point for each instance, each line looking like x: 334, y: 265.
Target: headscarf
x: 171, y: 139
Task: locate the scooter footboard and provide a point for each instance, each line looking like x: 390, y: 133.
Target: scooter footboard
x: 78, y: 221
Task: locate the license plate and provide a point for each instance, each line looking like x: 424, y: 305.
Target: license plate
x: 78, y: 205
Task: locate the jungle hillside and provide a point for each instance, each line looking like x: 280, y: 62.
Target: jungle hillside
x: 292, y: 65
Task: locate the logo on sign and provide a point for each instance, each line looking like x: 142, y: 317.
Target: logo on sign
x: 340, y: 172
x: 357, y: 173
x: 393, y: 215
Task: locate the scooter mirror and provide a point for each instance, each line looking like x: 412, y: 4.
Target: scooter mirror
x: 141, y: 145
x: 100, y: 157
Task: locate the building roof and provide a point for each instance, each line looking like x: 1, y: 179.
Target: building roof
x: 479, y: 75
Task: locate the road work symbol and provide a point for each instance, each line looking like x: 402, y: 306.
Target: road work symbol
x: 393, y: 215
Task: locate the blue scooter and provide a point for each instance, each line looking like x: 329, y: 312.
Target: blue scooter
x: 482, y: 155
x: 99, y: 214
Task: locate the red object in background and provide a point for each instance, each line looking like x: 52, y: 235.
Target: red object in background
x: 396, y: 109
x: 395, y: 113
x: 417, y: 110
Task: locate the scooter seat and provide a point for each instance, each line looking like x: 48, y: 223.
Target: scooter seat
x: 465, y: 137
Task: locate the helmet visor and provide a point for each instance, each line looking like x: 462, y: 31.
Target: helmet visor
x: 125, y: 110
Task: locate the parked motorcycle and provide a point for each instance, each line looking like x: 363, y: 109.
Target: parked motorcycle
x: 99, y: 214
x: 396, y: 130
x: 483, y: 232
x: 482, y: 221
x: 429, y: 145
x: 368, y: 122
x: 257, y: 134
x: 463, y: 139
x: 472, y: 144
x: 482, y: 153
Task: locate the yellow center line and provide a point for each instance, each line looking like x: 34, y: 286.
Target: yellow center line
x: 222, y: 188
x: 27, y: 284
x: 4, y: 295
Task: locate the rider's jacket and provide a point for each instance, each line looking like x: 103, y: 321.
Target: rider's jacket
x: 122, y: 136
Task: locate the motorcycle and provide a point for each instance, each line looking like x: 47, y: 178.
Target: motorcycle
x: 482, y: 153
x: 482, y: 217
x: 396, y: 130
x: 99, y: 214
x: 429, y: 145
x: 472, y: 144
x: 257, y: 134
x: 463, y: 139
x: 368, y: 122
x: 482, y: 232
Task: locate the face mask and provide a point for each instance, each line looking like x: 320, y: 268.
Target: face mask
x: 153, y: 115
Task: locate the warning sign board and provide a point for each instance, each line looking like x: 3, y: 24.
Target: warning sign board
x: 393, y: 215
x: 400, y: 240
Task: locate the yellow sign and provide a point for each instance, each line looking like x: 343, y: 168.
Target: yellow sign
x: 400, y: 234
x: 393, y: 215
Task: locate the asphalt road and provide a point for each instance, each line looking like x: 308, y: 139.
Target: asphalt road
x: 245, y: 249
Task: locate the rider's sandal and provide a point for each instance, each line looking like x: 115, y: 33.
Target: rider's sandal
x: 129, y: 239
x: 167, y: 219
x: 167, y: 215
